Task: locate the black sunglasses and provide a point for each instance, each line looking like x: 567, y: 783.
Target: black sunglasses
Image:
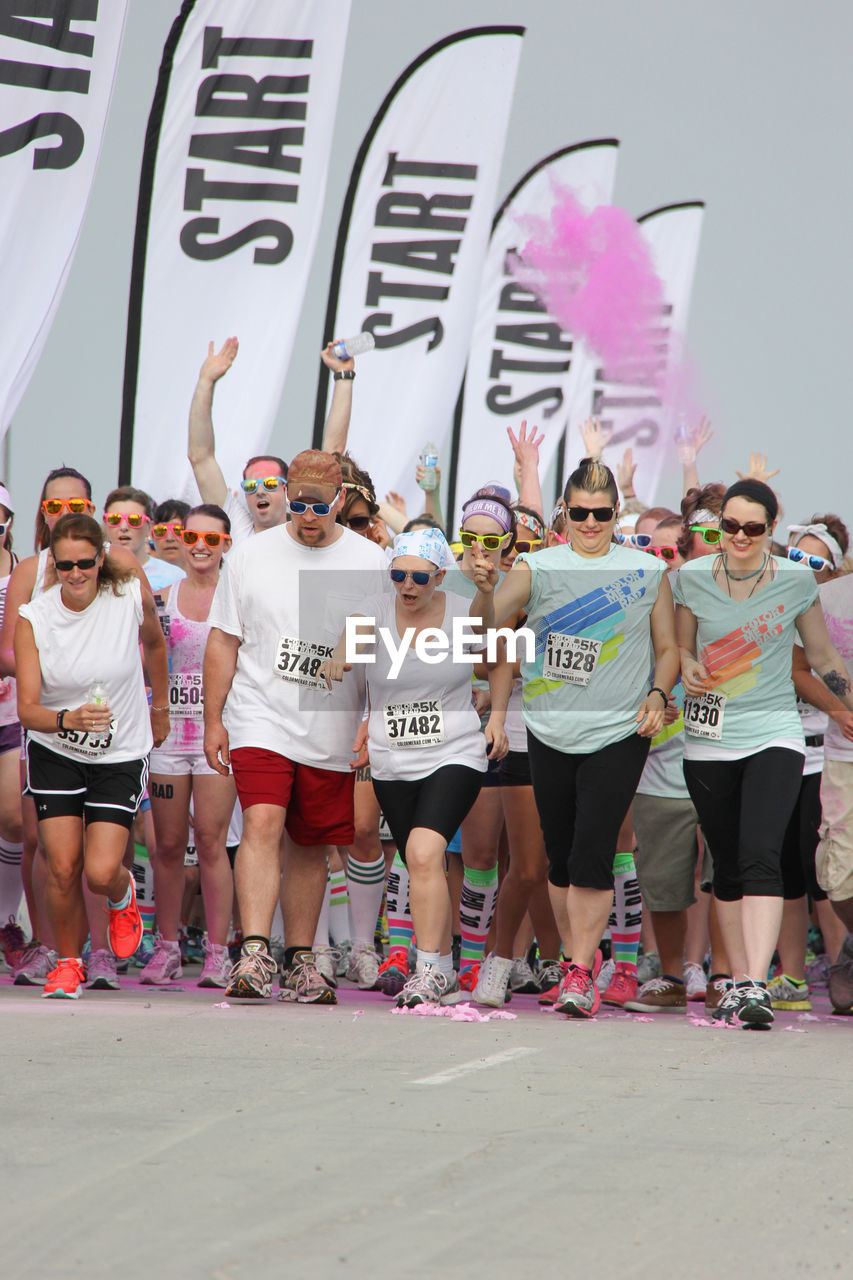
x: 601, y: 514
x: 358, y: 524
x: 752, y: 528
x: 65, y: 566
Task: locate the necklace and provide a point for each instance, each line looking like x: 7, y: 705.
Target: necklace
x: 756, y: 573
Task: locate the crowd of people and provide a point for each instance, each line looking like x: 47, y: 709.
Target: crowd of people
x: 600, y: 754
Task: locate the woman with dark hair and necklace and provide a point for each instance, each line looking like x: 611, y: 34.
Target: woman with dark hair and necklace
x: 736, y: 617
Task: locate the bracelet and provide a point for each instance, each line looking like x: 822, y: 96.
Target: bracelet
x: 60, y: 719
x: 166, y: 708
x: 655, y: 689
x: 344, y: 375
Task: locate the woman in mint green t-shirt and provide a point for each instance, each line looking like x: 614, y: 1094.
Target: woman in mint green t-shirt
x: 736, y: 618
x: 594, y: 694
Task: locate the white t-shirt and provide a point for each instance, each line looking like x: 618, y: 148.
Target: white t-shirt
x: 836, y: 599
x: 287, y: 604
x: 237, y: 512
x: 424, y: 718
x: 100, y: 643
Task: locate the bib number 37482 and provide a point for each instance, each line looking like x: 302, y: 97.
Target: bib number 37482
x: 572, y: 659
x: 414, y: 724
x: 703, y: 717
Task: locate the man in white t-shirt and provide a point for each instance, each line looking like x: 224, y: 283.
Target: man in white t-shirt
x: 279, y: 609
x: 262, y: 504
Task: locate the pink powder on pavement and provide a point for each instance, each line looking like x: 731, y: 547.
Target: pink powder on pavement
x: 457, y: 1013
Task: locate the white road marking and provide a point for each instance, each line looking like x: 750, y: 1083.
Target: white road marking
x: 476, y: 1064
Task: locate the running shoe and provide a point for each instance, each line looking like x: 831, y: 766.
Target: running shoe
x: 493, y: 982
x: 13, y: 944
x: 36, y: 963
x: 695, y: 981
x: 788, y: 993
x: 754, y: 1010
x: 718, y: 985
x: 343, y: 949
x: 727, y: 1004
x: 64, y: 982
x: 164, y: 965
x: 604, y: 977
x: 192, y: 945
x: 326, y: 960
x: 468, y: 977
x: 125, y: 929
x: 522, y: 979
x: 841, y: 978
x: 303, y: 983
x: 144, y: 951
x: 579, y: 996
x: 217, y: 965
x: 101, y: 972
x: 252, y: 975
x: 817, y: 973
x: 427, y: 985
x: 393, y: 972
x: 648, y: 967
x: 363, y: 967
x: 659, y: 995
x: 551, y: 974
x: 622, y: 987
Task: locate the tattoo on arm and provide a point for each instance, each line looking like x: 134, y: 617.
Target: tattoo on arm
x: 836, y: 683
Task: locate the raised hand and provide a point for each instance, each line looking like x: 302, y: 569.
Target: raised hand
x: 702, y: 433
x: 331, y: 361
x: 757, y: 469
x: 625, y: 473
x: 398, y: 502
x: 595, y: 437
x: 219, y: 362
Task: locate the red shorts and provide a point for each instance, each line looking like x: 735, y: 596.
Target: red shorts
x: 319, y: 802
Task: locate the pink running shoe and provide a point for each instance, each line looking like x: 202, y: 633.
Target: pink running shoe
x: 622, y: 986
x: 579, y: 996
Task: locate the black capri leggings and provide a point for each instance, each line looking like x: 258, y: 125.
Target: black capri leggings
x: 800, y: 844
x: 438, y: 802
x: 582, y: 801
x: 744, y: 807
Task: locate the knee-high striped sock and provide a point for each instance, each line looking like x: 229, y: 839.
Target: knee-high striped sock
x: 339, y: 925
x: 479, y: 895
x: 365, y: 885
x: 11, y: 884
x: 626, y: 920
x: 400, y: 927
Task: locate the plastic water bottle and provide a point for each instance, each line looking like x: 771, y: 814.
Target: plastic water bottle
x: 684, y: 444
x: 354, y: 346
x: 98, y: 695
x: 429, y: 462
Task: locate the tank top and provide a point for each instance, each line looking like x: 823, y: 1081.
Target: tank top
x: 185, y: 642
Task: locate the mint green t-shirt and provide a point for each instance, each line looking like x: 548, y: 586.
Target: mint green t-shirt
x: 594, y: 657
x: 746, y: 647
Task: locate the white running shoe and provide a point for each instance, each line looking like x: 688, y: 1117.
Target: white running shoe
x: 493, y: 982
x: 164, y: 965
x: 326, y: 963
x: 695, y: 981
x: 101, y: 973
x: 427, y: 985
x: 522, y: 979
x: 363, y: 967
x: 217, y: 965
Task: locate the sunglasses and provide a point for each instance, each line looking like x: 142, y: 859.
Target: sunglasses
x: 65, y: 566
x: 132, y: 518
x: 161, y: 530
x: 601, y: 514
x: 319, y: 508
x: 662, y: 553
x: 814, y: 562
x: 711, y: 536
x: 752, y: 528
x: 528, y: 544
x: 74, y: 506
x: 3, y: 528
x: 420, y: 577
x: 642, y: 540
x: 190, y: 537
x: 491, y: 541
x: 269, y: 482
x: 358, y: 524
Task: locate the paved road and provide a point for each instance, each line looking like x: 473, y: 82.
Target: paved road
x: 152, y: 1134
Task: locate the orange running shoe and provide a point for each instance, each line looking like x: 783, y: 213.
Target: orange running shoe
x: 64, y: 982
x: 125, y: 929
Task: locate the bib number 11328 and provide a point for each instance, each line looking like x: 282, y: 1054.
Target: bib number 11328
x: 572, y: 659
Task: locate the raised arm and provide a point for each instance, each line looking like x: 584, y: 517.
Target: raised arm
x: 699, y: 437
x: 526, y: 470
x: 340, y: 410
x: 822, y: 655
x: 201, y: 443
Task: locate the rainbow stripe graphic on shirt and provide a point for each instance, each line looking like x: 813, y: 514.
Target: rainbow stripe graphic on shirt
x: 734, y: 661
x: 598, y: 615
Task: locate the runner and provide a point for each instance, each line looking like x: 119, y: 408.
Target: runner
x: 127, y: 522
x: 166, y: 544
x: 743, y: 750
x: 427, y: 754
x: 591, y: 702
x: 179, y: 772
x: 270, y: 718
x: 87, y: 757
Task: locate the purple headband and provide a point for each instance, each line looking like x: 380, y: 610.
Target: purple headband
x: 486, y: 507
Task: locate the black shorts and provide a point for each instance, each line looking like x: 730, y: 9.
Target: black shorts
x: 62, y: 787
x: 514, y: 770
x: 438, y: 802
x: 492, y: 776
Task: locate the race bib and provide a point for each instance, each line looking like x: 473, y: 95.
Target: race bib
x: 703, y: 717
x: 87, y: 745
x: 572, y: 659
x: 298, y: 661
x: 414, y: 724
x: 185, y: 694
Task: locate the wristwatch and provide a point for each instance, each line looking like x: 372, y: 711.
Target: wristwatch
x: 344, y: 375
x: 60, y: 719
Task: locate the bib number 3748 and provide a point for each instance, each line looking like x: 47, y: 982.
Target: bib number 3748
x: 572, y: 659
x: 298, y: 661
x: 703, y: 717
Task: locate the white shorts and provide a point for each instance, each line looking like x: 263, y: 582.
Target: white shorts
x: 176, y: 762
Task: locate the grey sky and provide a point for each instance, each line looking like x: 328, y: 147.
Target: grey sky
x: 746, y: 106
